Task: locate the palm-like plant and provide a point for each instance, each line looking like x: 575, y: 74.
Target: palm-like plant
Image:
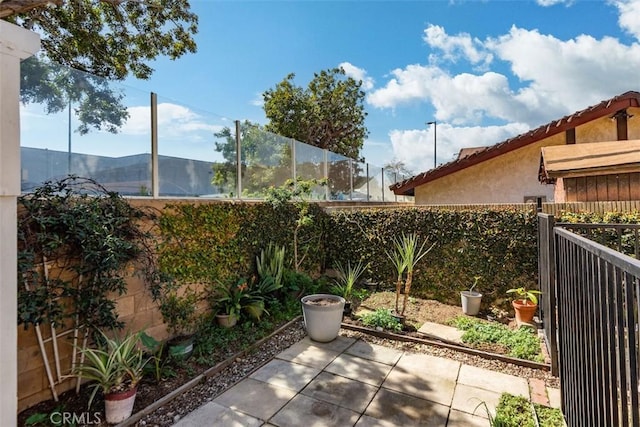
x: 347, y: 278
x: 116, y: 366
x: 407, y: 253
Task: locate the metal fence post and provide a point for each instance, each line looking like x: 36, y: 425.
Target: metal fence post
x: 155, y: 174
x: 382, y: 187
x: 326, y: 173
x: 294, y: 172
x: 238, y: 161
x: 350, y: 179
x: 368, y: 196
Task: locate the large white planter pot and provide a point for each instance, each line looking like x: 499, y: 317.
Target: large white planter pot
x: 471, y: 302
x: 119, y: 406
x: 322, y: 316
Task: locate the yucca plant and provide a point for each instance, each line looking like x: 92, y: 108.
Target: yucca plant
x: 347, y: 278
x: 407, y: 253
x: 116, y: 366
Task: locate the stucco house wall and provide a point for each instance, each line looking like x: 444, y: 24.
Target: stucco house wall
x: 512, y: 176
x: 503, y: 179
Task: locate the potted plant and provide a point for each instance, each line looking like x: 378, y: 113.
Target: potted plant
x: 116, y: 367
x: 345, y: 281
x: 180, y: 315
x: 471, y: 299
x: 525, y: 304
x: 228, y: 303
x: 322, y: 315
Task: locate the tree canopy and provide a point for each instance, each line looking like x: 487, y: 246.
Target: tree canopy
x: 265, y: 158
x: 328, y: 114
x: 112, y: 39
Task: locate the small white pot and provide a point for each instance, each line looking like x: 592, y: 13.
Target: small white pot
x: 119, y: 406
x: 322, y: 321
x: 470, y: 302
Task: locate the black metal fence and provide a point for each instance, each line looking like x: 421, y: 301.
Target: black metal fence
x: 592, y: 292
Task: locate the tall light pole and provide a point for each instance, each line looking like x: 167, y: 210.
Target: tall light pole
x: 435, y: 129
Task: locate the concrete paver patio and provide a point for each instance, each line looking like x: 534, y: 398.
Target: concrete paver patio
x: 350, y: 382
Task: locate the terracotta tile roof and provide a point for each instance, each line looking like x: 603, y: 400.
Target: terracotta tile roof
x: 604, y: 108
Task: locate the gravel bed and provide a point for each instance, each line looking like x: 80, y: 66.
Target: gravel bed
x: 213, y: 386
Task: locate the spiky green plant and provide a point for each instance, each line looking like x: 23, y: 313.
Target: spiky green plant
x: 115, y: 366
x: 407, y: 253
x: 270, y: 262
x: 347, y: 278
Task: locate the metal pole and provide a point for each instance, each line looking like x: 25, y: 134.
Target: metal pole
x: 69, y: 137
x: 293, y: 162
x: 368, y: 196
x: 155, y: 173
x: 238, y: 161
x: 395, y: 181
x: 350, y: 179
x: 383, y: 184
x: 435, y: 130
x: 326, y: 173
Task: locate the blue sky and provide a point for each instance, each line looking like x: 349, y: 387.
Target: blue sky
x: 485, y: 70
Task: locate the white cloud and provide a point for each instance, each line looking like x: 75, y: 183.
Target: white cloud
x: 174, y: 121
x: 415, y: 147
x: 549, y: 77
x: 546, y: 3
x: 358, y: 74
x: 629, y: 19
x: 258, y: 101
x: 454, y: 47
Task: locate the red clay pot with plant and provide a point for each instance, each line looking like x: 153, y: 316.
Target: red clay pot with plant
x: 525, y: 310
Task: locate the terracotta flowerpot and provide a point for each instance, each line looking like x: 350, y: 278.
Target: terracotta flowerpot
x: 525, y: 310
x: 322, y: 316
x: 119, y: 406
x: 227, y: 320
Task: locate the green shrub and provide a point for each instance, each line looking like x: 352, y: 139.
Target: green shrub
x: 517, y: 411
x: 522, y: 343
x: 381, y: 318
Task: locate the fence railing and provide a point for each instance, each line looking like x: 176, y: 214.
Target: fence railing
x: 596, y: 295
x: 165, y: 148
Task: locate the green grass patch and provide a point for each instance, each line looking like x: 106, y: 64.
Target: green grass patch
x: 381, y: 318
x: 517, y: 411
x: 522, y: 343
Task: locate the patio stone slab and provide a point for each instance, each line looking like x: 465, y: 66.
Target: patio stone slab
x: 404, y: 410
x: 213, y: 414
x: 340, y: 344
x: 309, y: 354
x: 427, y: 366
x: 554, y: 397
x: 377, y: 353
x: 367, y: 421
x: 357, y: 368
x: 435, y: 389
x: 309, y: 412
x: 341, y: 391
x: 493, y: 381
x: 255, y: 398
x: 438, y: 331
x: 462, y: 419
x: 466, y: 399
x: 283, y: 373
